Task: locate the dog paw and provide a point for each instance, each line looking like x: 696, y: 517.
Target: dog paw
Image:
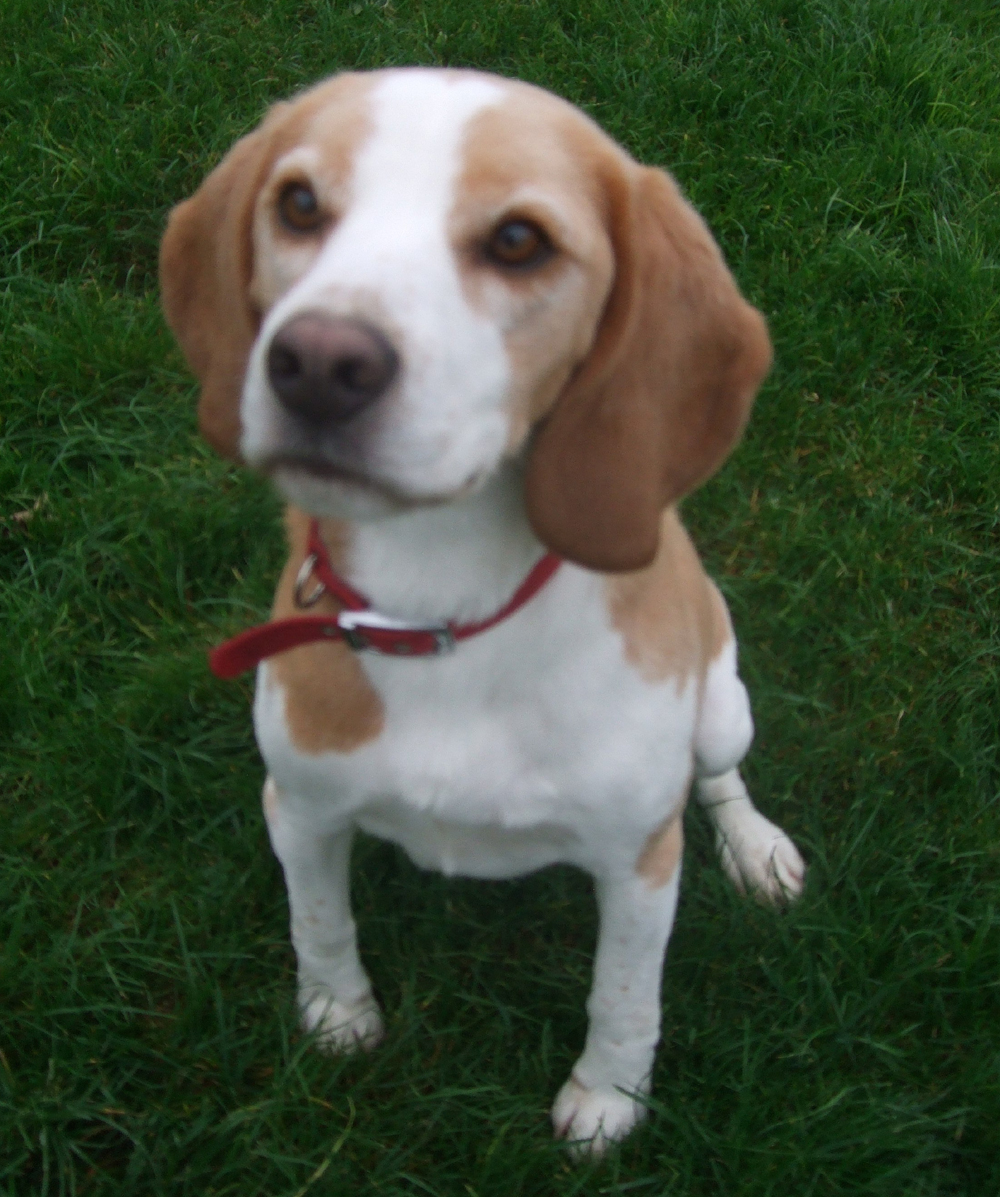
x: 592, y: 1119
x: 341, y: 1028
x: 760, y: 859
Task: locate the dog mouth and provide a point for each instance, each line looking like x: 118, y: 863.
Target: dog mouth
x: 321, y: 469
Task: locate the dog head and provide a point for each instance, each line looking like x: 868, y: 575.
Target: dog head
x: 401, y: 279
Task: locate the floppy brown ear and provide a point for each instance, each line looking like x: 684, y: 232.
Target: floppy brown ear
x: 205, y: 270
x: 662, y: 397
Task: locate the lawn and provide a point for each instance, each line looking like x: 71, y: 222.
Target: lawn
x: 847, y: 155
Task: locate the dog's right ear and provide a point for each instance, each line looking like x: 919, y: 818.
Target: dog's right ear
x: 206, y: 263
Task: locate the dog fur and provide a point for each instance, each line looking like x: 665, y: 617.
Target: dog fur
x: 565, y: 406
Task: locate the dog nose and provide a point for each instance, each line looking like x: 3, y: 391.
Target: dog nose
x: 326, y: 369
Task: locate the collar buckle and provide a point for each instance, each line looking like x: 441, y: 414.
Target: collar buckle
x: 373, y: 632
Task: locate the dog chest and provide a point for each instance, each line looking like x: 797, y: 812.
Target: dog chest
x: 502, y: 757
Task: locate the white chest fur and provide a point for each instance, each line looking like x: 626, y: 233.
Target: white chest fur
x: 529, y: 743
x: 533, y: 740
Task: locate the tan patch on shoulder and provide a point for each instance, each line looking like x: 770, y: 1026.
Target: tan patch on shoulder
x: 661, y: 853
x: 670, y: 615
x: 330, y: 705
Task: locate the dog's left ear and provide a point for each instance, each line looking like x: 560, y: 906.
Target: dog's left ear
x: 665, y: 392
x: 206, y: 262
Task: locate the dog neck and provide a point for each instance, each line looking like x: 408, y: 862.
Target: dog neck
x: 460, y: 560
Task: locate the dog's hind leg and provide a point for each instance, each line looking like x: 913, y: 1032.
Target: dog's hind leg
x: 756, y: 855
x: 335, y: 994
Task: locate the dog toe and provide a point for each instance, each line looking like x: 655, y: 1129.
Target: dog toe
x: 593, y: 1119
x: 341, y: 1028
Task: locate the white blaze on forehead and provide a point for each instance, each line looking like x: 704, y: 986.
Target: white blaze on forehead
x: 419, y: 122
x: 392, y: 245
x: 390, y: 261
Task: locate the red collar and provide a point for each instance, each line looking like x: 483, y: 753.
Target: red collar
x: 358, y: 623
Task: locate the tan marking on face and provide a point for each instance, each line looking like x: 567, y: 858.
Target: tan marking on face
x: 535, y: 157
x: 670, y: 615
x: 662, y: 397
x: 218, y: 272
x: 661, y: 853
x: 330, y: 706
x: 317, y: 145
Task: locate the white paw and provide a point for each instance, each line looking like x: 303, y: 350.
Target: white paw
x: 758, y: 857
x: 340, y: 1028
x: 591, y: 1119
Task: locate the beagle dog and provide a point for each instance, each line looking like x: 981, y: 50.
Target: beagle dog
x: 482, y: 353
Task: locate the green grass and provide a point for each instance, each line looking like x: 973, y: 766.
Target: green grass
x: 847, y: 153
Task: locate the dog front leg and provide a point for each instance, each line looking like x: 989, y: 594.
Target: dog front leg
x: 601, y: 1101
x: 335, y: 994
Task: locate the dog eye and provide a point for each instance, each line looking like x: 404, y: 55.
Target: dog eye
x: 299, y: 208
x: 518, y: 243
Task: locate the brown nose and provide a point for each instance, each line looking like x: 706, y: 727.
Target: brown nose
x: 326, y: 369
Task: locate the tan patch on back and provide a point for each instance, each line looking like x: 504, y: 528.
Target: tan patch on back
x: 672, y: 618
x: 330, y: 705
x: 661, y: 853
